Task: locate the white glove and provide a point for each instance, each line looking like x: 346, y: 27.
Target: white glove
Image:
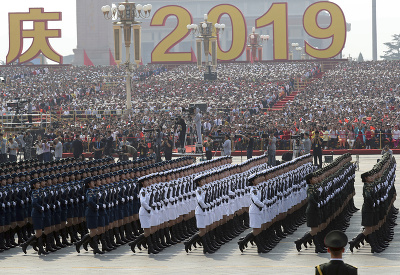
x: 83, y: 197
x: 3, y: 205
x: 42, y: 208
x: 14, y: 203
x: 22, y: 202
x: 8, y: 204
x: 58, y: 203
x: 97, y: 207
x: 123, y: 200
x: 104, y: 206
x: 47, y: 206
x: 71, y: 200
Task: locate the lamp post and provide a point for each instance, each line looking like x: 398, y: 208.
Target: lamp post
x: 299, y: 50
x: 125, y: 15
x: 294, y: 47
x: 204, y: 32
x: 254, y: 45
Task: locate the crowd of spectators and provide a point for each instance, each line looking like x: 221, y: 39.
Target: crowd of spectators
x: 354, y: 105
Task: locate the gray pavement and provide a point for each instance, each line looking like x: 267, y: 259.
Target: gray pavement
x: 283, y: 259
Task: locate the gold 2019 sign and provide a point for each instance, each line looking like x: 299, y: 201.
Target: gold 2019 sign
x: 277, y: 16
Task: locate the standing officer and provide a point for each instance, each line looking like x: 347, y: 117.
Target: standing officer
x: 335, y: 241
x: 98, y: 148
x: 167, y: 145
x: 208, y: 147
x: 316, y: 146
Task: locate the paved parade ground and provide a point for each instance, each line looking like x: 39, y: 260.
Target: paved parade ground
x: 283, y: 259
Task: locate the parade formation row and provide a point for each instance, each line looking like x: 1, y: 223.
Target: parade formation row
x: 151, y: 205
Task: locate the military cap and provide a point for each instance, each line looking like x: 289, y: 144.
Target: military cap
x: 335, y: 239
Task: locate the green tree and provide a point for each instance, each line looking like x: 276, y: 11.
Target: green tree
x: 360, y: 58
x: 393, y: 53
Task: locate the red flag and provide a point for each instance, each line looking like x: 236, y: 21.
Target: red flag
x: 363, y: 122
x: 86, y: 59
x: 340, y: 121
x: 372, y: 128
x: 193, y: 56
x: 346, y: 120
x: 112, y: 60
x: 369, y: 118
x: 356, y: 120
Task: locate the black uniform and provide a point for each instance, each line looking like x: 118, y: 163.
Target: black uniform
x: 336, y: 267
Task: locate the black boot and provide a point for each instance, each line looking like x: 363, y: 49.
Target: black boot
x: 154, y: 240
x: 190, y: 242
x: 136, y: 242
x: 168, y: 236
x: 121, y: 231
x: 64, y: 236
x: 108, y: 238
x: 117, y: 236
x: 129, y: 232
x: 85, y: 239
x: 135, y: 228
x: 302, y: 240
x: 7, y: 239
x: 2, y: 244
x: 12, y: 236
x: 21, y: 238
x: 95, y: 246
x: 356, y: 242
x: 319, y: 246
x: 258, y: 241
x: 205, y: 243
x: 150, y: 247
x: 27, y: 243
x: 40, y: 246
x: 52, y: 241
x: 162, y: 237
x: 104, y: 246
x: 47, y: 241
x: 71, y: 233
x: 57, y: 239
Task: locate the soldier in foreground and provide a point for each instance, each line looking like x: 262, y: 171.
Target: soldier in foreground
x: 335, y: 241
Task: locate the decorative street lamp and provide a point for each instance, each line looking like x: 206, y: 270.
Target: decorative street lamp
x: 125, y: 15
x: 206, y: 32
x: 254, y: 45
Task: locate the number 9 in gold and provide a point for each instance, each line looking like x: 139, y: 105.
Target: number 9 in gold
x: 336, y: 30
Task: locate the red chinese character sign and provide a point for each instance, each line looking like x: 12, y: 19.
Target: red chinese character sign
x: 40, y: 34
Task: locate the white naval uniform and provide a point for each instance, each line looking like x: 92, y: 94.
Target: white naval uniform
x: 144, y: 215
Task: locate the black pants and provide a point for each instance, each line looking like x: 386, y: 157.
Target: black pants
x: 168, y: 155
x: 249, y: 153
x: 319, y: 157
x: 209, y: 155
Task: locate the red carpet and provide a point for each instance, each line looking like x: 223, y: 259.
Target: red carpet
x: 278, y: 106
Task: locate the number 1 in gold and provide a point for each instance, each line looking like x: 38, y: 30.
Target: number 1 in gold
x: 277, y: 15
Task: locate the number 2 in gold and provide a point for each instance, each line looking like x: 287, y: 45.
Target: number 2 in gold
x: 161, y: 53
